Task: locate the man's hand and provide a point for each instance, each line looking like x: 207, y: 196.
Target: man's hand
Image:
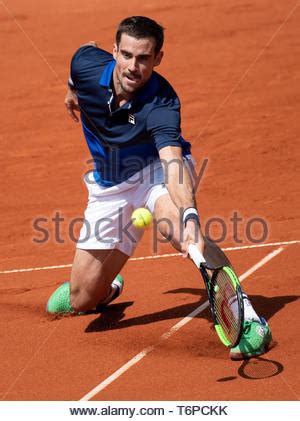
x: 192, y: 235
x: 71, y: 103
x: 92, y: 43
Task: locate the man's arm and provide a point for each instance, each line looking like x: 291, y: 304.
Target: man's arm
x: 179, y: 185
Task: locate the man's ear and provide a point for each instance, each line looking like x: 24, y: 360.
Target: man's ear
x: 115, y: 51
x: 158, y: 58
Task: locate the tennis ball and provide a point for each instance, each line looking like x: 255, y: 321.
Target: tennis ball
x: 141, y: 218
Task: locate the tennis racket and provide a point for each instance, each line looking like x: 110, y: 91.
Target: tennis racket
x: 225, y: 298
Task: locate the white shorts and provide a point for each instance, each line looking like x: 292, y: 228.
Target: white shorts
x: 107, y: 218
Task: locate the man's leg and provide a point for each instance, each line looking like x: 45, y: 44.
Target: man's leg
x: 94, y: 280
x: 92, y: 274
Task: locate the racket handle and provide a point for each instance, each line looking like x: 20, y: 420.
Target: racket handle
x: 195, y: 255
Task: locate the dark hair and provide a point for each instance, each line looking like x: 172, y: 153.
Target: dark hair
x: 141, y: 27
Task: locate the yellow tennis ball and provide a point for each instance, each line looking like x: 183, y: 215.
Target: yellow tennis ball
x: 141, y: 218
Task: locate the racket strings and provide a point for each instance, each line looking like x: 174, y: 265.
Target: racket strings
x: 226, y: 305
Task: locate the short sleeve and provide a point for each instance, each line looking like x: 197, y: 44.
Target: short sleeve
x: 85, y: 61
x: 163, y: 124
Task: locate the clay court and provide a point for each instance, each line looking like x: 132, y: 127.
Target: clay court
x: 235, y: 66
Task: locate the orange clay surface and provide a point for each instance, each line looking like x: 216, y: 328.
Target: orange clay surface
x: 235, y: 65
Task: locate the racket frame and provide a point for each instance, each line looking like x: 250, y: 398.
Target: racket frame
x: 203, y: 267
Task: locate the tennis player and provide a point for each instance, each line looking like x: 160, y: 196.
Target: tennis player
x: 130, y: 117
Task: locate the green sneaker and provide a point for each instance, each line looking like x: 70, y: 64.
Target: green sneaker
x: 255, y: 340
x: 59, y: 302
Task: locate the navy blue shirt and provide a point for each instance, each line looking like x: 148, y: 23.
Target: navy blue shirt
x: 122, y: 141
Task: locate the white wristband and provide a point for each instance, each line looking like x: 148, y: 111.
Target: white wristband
x: 189, y: 211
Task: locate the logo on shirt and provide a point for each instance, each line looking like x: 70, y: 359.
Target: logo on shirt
x: 131, y: 119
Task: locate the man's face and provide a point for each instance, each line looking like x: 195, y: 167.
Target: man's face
x: 135, y: 59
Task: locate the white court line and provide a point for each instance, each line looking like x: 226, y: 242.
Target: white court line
x: 2, y: 272
x: 260, y: 263
x: 158, y: 256
x: 170, y: 332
